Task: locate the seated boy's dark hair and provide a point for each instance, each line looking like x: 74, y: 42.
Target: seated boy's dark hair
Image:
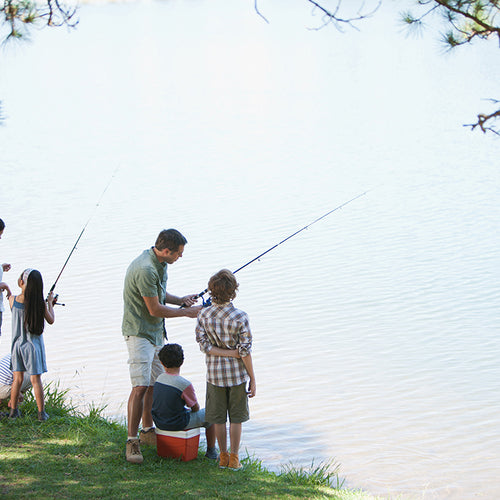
x: 223, y: 286
x: 171, y: 355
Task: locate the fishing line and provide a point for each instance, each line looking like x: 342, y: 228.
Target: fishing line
x: 287, y: 238
x: 83, y: 230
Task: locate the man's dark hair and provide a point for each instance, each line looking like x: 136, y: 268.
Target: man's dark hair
x: 2, y: 225
x: 171, y: 239
x: 171, y: 356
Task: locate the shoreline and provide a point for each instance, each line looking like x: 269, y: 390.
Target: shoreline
x: 76, y: 455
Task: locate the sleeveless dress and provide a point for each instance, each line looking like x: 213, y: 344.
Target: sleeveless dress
x: 28, y: 351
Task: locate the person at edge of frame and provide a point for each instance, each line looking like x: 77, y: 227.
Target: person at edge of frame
x: 145, y: 297
x: 3, y: 286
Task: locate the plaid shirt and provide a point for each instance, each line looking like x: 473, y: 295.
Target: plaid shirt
x: 224, y: 326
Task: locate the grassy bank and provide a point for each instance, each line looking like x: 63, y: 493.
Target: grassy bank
x: 75, y: 456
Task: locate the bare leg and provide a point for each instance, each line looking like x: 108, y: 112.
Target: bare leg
x: 221, y: 433
x: 235, y: 437
x: 36, y: 382
x: 147, y: 417
x: 210, y: 436
x: 135, y: 409
x: 16, y: 389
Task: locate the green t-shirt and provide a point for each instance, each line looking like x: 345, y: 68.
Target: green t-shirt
x: 146, y: 277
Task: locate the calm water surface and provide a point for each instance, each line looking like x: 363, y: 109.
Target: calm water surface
x: 376, y: 330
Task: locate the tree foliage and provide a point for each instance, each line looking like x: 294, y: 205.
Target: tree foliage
x: 462, y: 22
x: 18, y: 16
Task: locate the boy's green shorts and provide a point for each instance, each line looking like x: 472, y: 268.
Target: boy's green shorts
x: 224, y: 401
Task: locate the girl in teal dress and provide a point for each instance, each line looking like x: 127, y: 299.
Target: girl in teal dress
x: 29, y: 313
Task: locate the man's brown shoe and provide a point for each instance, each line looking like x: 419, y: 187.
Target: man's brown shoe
x: 133, y: 452
x: 148, y: 437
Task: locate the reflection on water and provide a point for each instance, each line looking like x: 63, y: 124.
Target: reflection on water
x: 376, y: 330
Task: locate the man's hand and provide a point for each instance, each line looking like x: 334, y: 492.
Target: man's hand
x: 189, y: 300
x: 6, y: 267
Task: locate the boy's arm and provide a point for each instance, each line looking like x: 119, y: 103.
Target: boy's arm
x: 189, y: 397
x: 228, y: 353
x: 206, y: 345
x: 202, y: 338
x: 252, y: 385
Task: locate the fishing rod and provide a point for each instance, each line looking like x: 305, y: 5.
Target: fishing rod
x: 200, y: 295
x: 81, y: 233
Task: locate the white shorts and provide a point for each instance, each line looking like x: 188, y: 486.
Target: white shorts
x: 144, y: 364
x: 5, y: 389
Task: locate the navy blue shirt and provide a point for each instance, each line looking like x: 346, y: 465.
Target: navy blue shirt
x: 171, y: 395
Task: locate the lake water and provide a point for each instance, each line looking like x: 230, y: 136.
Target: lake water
x: 376, y: 331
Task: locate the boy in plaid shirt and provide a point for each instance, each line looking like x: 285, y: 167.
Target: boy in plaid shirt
x: 223, y: 326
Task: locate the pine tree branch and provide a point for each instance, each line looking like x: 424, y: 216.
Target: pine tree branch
x: 484, y: 122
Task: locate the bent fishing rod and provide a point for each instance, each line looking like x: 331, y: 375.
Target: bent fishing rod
x: 200, y: 295
x: 81, y: 233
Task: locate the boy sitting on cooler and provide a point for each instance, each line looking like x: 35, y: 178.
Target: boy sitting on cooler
x: 175, y: 407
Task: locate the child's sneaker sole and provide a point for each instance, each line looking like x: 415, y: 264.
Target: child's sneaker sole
x: 234, y: 462
x: 223, y: 460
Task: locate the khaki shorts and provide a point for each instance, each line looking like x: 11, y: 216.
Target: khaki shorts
x: 143, y: 361
x: 224, y: 401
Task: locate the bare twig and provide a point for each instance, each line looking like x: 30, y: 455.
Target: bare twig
x: 483, y: 122
x: 332, y: 15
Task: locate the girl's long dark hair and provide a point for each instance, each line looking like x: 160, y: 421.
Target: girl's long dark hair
x: 34, y: 304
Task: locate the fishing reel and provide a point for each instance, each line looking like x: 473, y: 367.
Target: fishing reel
x: 205, y: 303
x: 56, y: 296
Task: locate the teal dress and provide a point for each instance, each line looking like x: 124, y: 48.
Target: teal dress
x: 28, y: 351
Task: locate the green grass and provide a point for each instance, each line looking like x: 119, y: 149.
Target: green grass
x: 75, y: 455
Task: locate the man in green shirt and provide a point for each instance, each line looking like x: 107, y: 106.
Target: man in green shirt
x: 144, y: 296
